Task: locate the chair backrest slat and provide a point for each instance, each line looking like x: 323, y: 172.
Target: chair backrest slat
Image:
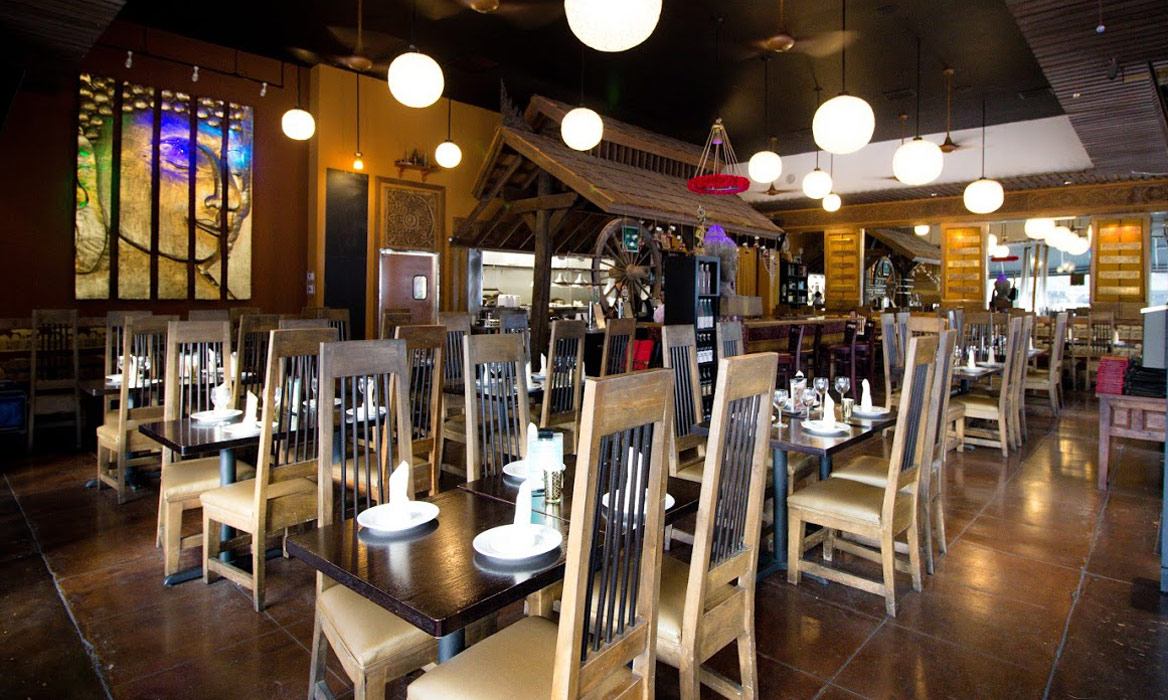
x: 294, y: 324
x: 496, y: 403
x: 425, y: 351
x: 729, y: 339
x: 563, y: 387
x: 912, y: 444
x: 457, y: 327
x: 251, y: 359
x: 144, y: 345
x: 681, y: 356
x: 617, y: 356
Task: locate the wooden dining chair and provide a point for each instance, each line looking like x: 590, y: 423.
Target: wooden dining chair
x: 707, y: 604
x: 339, y: 319
x: 373, y: 645
x: 251, y: 361
x: 994, y: 407
x: 1017, y: 380
x: 457, y: 327
x: 680, y: 356
x: 890, y: 340
x: 236, y: 314
x: 140, y: 401
x: 209, y: 315
x: 1101, y: 334
x: 873, y: 470
x: 496, y: 412
x: 54, y: 371
x: 311, y: 311
x: 604, y: 645
x: 978, y: 328
x: 391, y: 319
x: 792, y: 360
x: 879, y: 514
x: 115, y: 326
x: 196, y: 362
x: 299, y: 324
x: 617, y: 355
x: 283, y: 492
x: 425, y: 353
x: 563, y: 384
x: 729, y: 339
x: 1049, y: 380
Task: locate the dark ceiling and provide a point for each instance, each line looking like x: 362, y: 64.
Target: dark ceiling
x: 678, y: 80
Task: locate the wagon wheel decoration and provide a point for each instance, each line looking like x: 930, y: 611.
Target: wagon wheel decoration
x: 618, y: 272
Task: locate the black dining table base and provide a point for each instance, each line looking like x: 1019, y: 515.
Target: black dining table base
x: 451, y: 645
x: 777, y: 561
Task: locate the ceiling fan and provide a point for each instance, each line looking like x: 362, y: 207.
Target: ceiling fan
x: 949, y: 145
x: 524, y: 14
x: 368, y: 49
x: 814, y: 45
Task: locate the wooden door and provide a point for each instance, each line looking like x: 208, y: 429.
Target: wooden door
x: 408, y: 280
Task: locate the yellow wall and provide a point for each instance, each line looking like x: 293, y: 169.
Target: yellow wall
x: 389, y: 131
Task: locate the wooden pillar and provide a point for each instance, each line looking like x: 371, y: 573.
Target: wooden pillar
x: 541, y: 288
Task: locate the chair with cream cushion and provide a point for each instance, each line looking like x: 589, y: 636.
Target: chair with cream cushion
x: 594, y: 651
x: 563, y: 384
x: 874, y: 513
x: 283, y: 492
x: 425, y: 352
x: 1049, y: 380
x: 497, y: 412
x: 373, y: 645
x: 994, y: 407
x: 196, y: 353
x: 680, y: 355
x: 457, y: 327
x: 709, y: 603
x: 251, y: 361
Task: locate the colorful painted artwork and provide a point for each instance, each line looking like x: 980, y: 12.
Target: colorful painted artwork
x: 163, y: 203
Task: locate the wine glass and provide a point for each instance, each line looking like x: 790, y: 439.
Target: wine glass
x: 808, y: 403
x: 780, y: 402
x: 820, y: 384
x: 842, y: 385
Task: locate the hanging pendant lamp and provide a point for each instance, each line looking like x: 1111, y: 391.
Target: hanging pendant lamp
x: 581, y: 129
x: 415, y: 79
x: 448, y: 154
x: 358, y: 164
x: 297, y: 123
x: 918, y: 162
x: 844, y: 124
x: 831, y: 201
x: 983, y: 196
x: 717, y: 157
x: 612, y: 25
x: 817, y: 183
x: 765, y: 166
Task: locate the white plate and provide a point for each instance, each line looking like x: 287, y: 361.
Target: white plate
x: 544, y: 540
x: 215, y: 416
x: 240, y: 429
x: 113, y: 378
x: 518, y: 470
x: 991, y: 365
x: 820, y: 428
x: 394, y: 517
x: 669, y: 501
x: 538, y: 378
x: 874, y: 412
x: 360, y: 414
x: 968, y: 370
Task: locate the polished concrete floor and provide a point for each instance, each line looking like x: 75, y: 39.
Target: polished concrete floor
x: 1048, y: 590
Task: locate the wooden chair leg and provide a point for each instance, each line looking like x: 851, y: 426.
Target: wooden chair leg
x: 1054, y: 402
x: 123, y: 453
x: 257, y: 572
x: 888, y: 562
x: 31, y: 424
x: 960, y: 423
x: 317, y: 669
x: 914, y: 554
x: 939, y: 523
x: 172, y: 536
x: 829, y: 545
x: 927, y: 524
x: 748, y: 660
x: 795, y: 529
x: 210, y: 547
x: 1004, y: 435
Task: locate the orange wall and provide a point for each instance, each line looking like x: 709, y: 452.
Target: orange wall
x: 389, y: 131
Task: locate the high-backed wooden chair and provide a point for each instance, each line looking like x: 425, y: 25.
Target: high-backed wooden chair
x: 425, y: 353
x: 209, y: 315
x: 728, y: 339
x: 890, y: 339
x: 873, y: 470
x: 563, y: 385
x: 299, y: 324
x: 1100, y: 337
x: 1017, y: 380
x: 1049, y: 380
x: 617, y: 355
x: 994, y: 407
x: 196, y: 357
x: 604, y: 644
x: 792, y: 361
x: 876, y: 513
x: 311, y: 311
x: 515, y: 321
x: 373, y: 645
x: 708, y: 603
x: 679, y: 355
x: 140, y: 400
x: 236, y: 313
x: 494, y: 424
x: 457, y: 327
x: 115, y: 323
x: 339, y: 319
x: 251, y: 360
x: 54, y: 371
x: 391, y: 319
x: 283, y: 492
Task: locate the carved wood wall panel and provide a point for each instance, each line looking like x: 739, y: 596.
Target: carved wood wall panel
x: 843, y: 266
x: 1119, y: 260
x: 963, y: 258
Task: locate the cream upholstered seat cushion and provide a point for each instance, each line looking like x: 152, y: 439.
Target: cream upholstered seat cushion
x: 369, y: 632
x: 690, y: 467
x: 671, y: 603
x: 194, y: 476
x: 109, y: 435
x: 956, y: 411
x: 514, y: 664
x: 866, y: 469
x: 848, y: 498
x: 980, y: 403
x: 239, y: 498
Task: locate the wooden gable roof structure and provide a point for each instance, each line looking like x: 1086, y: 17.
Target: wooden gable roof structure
x: 631, y: 173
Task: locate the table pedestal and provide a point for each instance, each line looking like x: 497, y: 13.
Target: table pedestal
x: 451, y: 645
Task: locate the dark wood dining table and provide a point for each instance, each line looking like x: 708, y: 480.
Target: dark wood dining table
x: 790, y: 437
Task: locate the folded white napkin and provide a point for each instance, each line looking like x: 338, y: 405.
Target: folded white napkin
x: 544, y: 365
x: 399, y: 485
x: 828, y: 408
x: 1115, y: 337
x: 130, y: 375
x: 971, y: 363
x: 251, y: 409
x: 865, y: 395
x: 221, y: 397
x: 523, y: 504
x: 231, y: 364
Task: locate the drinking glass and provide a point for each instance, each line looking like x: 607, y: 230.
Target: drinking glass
x: 808, y: 403
x: 842, y: 385
x: 820, y: 384
x: 780, y: 403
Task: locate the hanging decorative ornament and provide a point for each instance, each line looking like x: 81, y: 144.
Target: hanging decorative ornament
x: 612, y: 25
x: 1039, y: 229
x: 844, y: 124
x: 766, y: 166
x: 832, y: 202
x: 983, y: 196
x: 918, y: 162
x: 717, y: 156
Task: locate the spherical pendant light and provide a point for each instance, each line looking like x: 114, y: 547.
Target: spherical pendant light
x: 612, y: 25
x: 831, y: 202
x: 992, y: 241
x: 1059, y: 238
x: 1078, y: 246
x: 765, y: 167
x: 298, y: 124
x: 921, y: 229
x: 917, y: 162
x: 843, y: 124
x: 817, y: 184
x: 984, y: 196
x: 448, y: 154
x: 1039, y: 229
x: 582, y: 129
x: 415, y: 79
